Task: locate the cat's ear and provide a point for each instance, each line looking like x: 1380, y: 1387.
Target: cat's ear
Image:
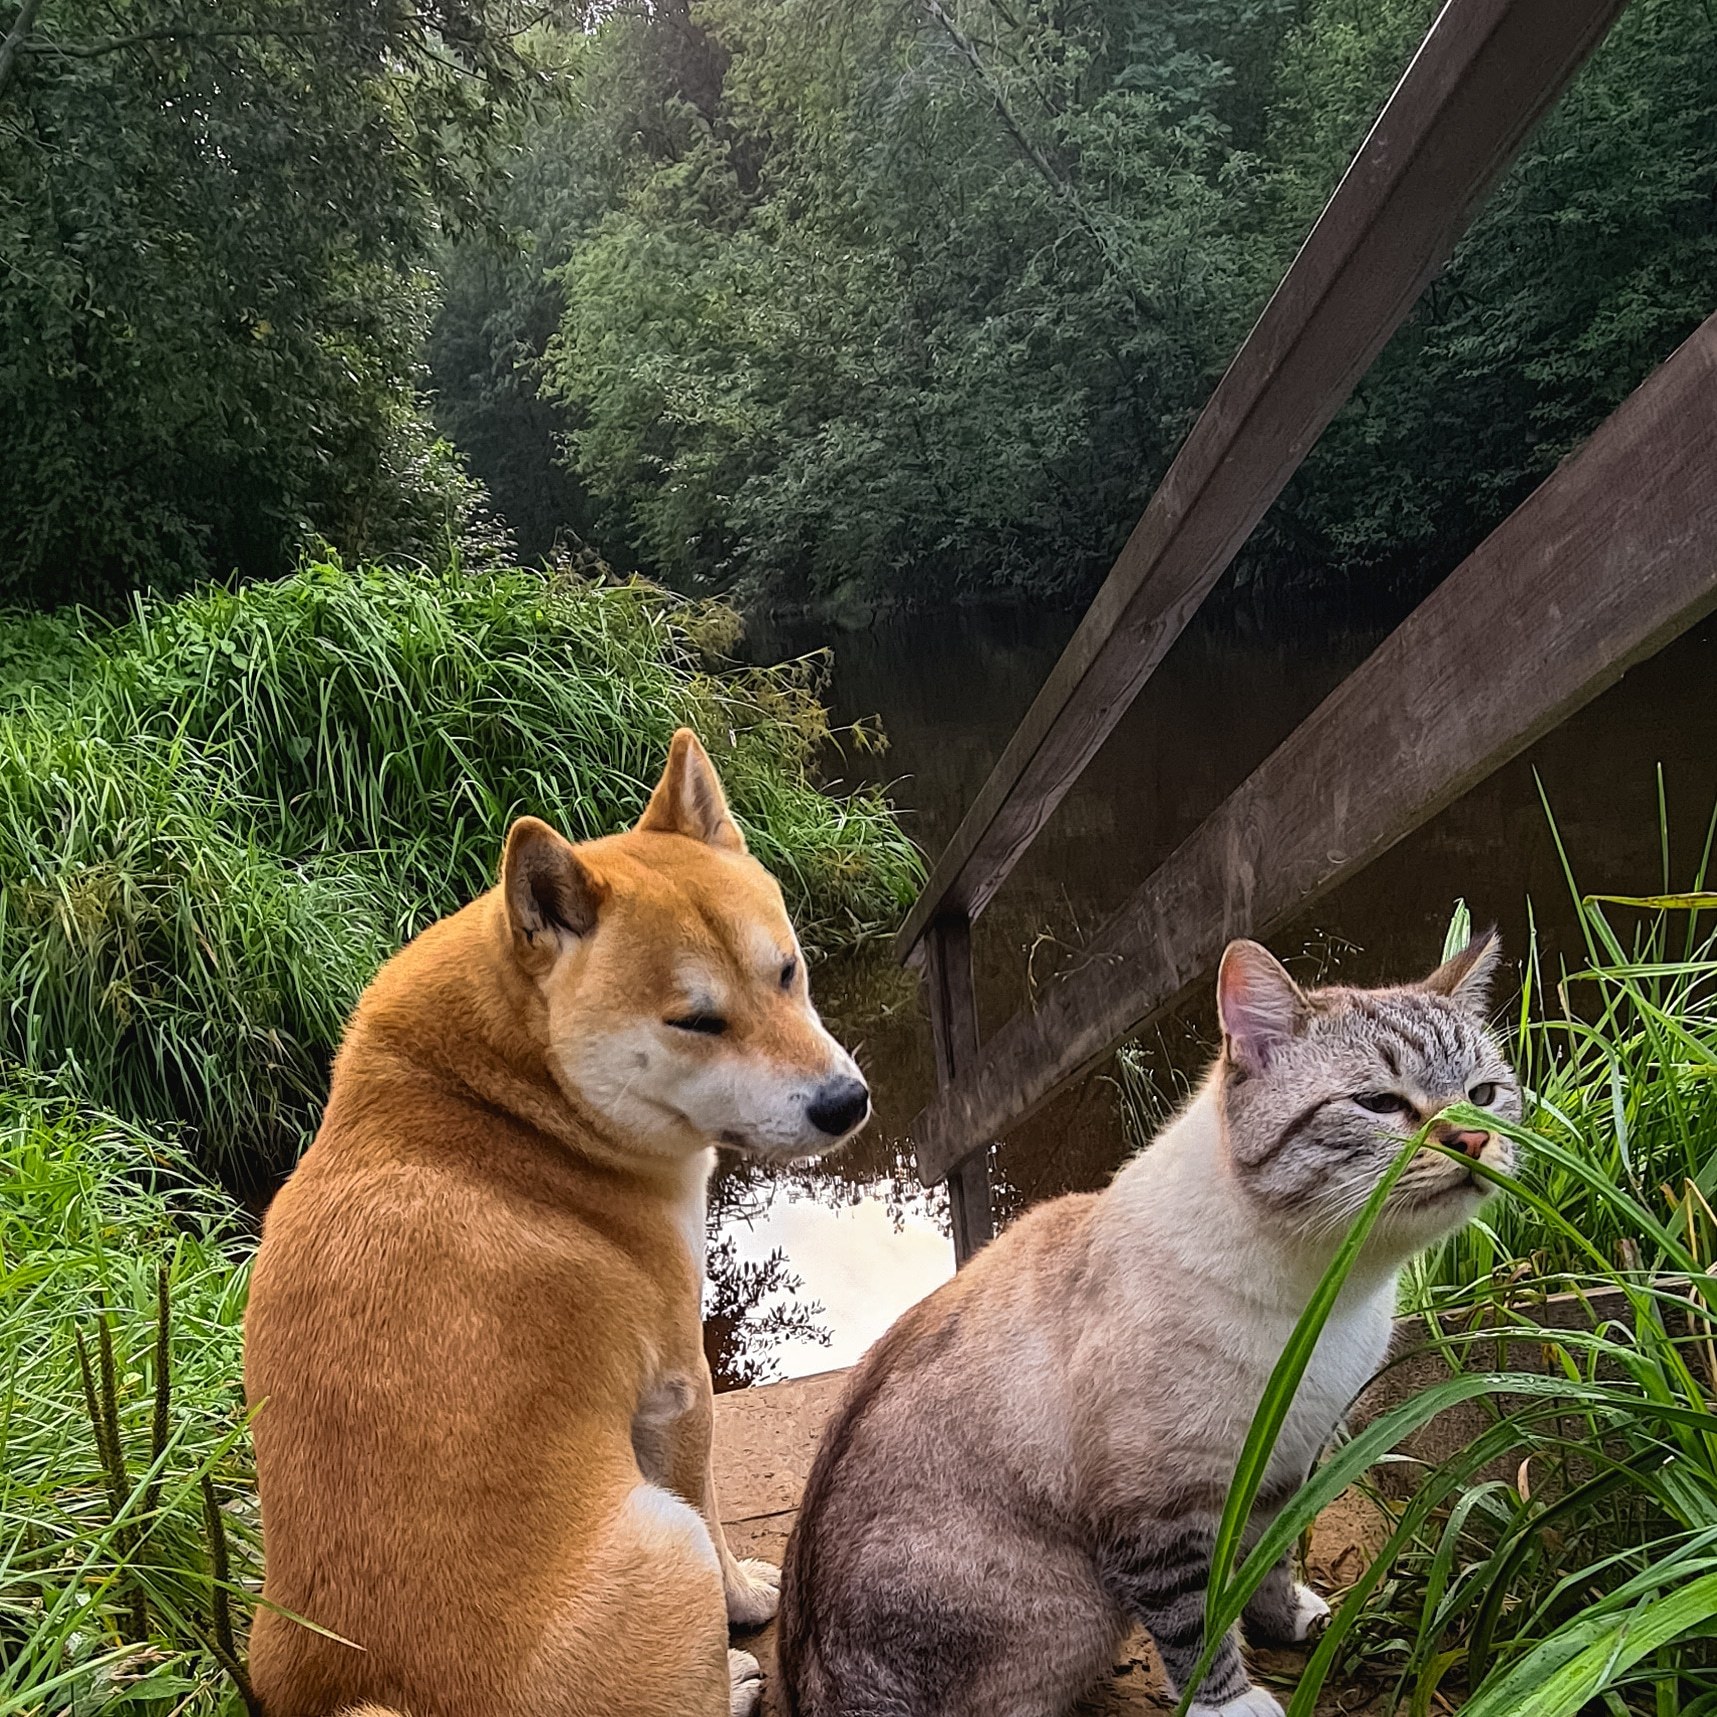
x: 1259, y: 1005
x: 1466, y: 977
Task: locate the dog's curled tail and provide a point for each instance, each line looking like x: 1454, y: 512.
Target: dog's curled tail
x: 371, y: 1711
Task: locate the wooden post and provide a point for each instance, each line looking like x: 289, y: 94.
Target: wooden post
x: 954, y: 1028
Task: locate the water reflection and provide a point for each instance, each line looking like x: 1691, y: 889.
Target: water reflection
x: 950, y: 688
x: 808, y: 1266
x: 853, y: 1270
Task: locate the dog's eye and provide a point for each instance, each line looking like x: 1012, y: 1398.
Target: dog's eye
x: 788, y: 973
x: 706, y: 1025
x: 1484, y: 1094
x: 1384, y: 1102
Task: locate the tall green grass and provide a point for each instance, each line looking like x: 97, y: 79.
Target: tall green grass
x: 1618, y: 1056
x: 1563, y: 1559
x: 153, y: 955
x: 415, y: 713
x: 127, y: 1509
x: 217, y: 819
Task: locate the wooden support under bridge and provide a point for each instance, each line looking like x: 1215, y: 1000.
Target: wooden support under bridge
x: 1609, y: 559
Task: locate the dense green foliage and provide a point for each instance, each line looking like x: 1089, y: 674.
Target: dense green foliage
x: 897, y: 301
x: 918, y: 299
x: 1620, y: 1056
x: 1592, y: 259
x: 217, y: 819
x: 215, y: 221
x: 109, y: 1595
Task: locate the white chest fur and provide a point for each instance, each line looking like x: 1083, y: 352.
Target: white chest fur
x: 1206, y: 1296
x: 691, y: 1208
x: 1353, y: 1345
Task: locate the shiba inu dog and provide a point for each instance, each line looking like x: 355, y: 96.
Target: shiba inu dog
x: 473, y: 1347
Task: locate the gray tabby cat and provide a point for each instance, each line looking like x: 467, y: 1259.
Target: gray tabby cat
x: 1036, y: 1456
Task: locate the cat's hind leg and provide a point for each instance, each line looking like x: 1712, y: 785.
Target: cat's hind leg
x: 975, y: 1622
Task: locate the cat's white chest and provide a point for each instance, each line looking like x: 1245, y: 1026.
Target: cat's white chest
x: 1352, y: 1347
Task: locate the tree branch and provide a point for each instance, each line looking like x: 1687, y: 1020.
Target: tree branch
x: 17, y: 39
x: 1060, y: 186
x: 167, y: 33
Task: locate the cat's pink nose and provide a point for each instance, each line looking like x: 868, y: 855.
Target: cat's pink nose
x: 1468, y: 1142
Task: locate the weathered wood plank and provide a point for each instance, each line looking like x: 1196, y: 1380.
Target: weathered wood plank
x: 953, y: 1003
x: 1484, y: 76
x: 1605, y: 562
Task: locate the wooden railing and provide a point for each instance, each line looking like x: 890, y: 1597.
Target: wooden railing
x: 1610, y: 558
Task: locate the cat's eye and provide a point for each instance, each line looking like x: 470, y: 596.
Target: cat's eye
x: 706, y: 1025
x: 1384, y: 1102
x: 1483, y: 1094
x: 788, y: 973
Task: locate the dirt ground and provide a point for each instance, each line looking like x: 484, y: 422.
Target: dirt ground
x: 764, y: 1442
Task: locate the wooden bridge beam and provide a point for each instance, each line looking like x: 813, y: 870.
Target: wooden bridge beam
x: 1611, y: 557
x: 1485, y: 75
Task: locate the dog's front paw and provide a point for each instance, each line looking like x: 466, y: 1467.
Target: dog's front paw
x: 1310, y: 1612
x: 745, y: 1683
x: 753, y: 1592
x: 1254, y: 1702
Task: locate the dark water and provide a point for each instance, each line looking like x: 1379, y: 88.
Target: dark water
x: 949, y: 689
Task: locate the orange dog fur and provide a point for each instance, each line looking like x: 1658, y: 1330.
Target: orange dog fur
x: 473, y: 1346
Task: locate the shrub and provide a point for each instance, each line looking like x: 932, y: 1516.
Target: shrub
x: 216, y: 820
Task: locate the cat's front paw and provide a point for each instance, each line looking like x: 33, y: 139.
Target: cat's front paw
x: 753, y: 1592
x: 1254, y: 1702
x: 1311, y: 1613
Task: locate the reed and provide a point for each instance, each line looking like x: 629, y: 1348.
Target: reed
x: 127, y: 1506
x: 218, y: 819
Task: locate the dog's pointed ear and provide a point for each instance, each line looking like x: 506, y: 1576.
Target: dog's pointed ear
x: 688, y: 799
x: 552, y: 897
x: 1466, y: 977
x: 1260, y: 1006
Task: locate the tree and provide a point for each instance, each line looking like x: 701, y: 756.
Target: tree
x: 1593, y: 259
x: 854, y: 298
x: 915, y: 300
x: 215, y: 220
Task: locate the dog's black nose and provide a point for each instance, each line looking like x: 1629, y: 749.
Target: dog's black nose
x: 839, y: 1106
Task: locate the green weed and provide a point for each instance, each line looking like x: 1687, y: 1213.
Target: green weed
x: 217, y: 819
x: 127, y: 1509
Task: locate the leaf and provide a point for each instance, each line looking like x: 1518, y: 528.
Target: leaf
x: 1581, y: 1659
x: 1460, y: 931
x: 1657, y: 902
x: 1284, y: 1382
